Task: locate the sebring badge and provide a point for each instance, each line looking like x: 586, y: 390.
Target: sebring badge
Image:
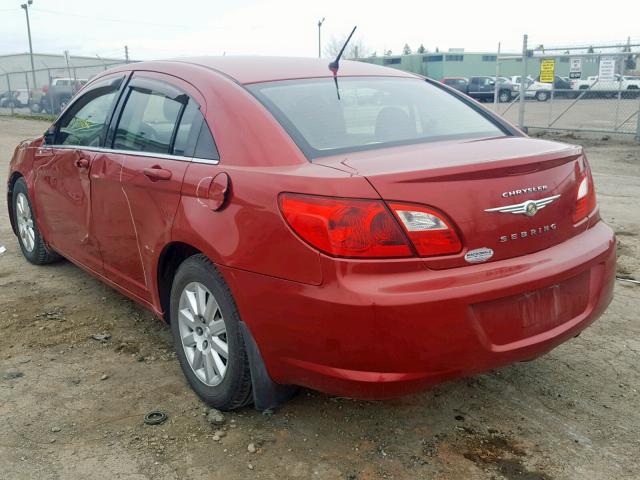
x: 528, y: 208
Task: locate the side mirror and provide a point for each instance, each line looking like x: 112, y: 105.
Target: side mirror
x: 49, y: 135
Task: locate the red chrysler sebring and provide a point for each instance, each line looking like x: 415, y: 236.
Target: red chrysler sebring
x: 365, y: 234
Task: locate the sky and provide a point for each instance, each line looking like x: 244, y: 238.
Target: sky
x: 164, y: 29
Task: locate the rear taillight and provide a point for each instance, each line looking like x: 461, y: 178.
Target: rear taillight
x: 585, y: 198
x: 45, y: 88
x: 345, y: 227
x: 430, y: 231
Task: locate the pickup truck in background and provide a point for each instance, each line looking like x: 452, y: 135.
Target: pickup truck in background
x: 628, y: 87
x: 52, y: 98
x: 482, y: 88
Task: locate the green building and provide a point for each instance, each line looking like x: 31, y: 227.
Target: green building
x: 468, y: 64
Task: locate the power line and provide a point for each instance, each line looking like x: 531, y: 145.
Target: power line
x: 115, y: 20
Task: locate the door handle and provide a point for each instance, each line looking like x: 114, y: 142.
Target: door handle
x: 81, y: 162
x: 157, y: 173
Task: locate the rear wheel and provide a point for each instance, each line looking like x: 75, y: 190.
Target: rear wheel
x: 207, y: 335
x: 31, y: 242
x: 504, y: 96
x: 542, y: 95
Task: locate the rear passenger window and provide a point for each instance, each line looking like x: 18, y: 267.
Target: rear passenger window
x: 148, y: 121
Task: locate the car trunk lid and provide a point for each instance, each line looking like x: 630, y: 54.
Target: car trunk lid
x: 485, y: 187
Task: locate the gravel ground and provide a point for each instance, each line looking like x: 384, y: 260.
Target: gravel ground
x: 72, y: 406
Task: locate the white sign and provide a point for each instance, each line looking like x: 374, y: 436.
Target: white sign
x: 607, y: 69
x: 575, y: 68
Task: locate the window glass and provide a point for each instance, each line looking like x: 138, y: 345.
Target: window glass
x: 189, y: 118
x: 206, y: 146
x: 369, y: 113
x: 147, y: 122
x: 85, y: 124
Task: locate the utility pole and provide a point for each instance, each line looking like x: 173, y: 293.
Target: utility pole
x: 33, y: 68
x: 320, y: 22
x: 126, y: 54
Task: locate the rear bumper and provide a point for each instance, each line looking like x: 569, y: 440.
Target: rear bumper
x: 372, y: 331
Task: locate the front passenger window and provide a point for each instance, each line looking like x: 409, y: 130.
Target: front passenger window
x: 85, y: 124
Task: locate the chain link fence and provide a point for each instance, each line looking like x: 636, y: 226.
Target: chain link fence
x: 576, y: 90
x: 44, y: 91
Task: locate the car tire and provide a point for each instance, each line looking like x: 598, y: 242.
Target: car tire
x: 504, y: 96
x: 200, y: 300
x: 31, y: 242
x: 35, y: 108
x: 542, y: 95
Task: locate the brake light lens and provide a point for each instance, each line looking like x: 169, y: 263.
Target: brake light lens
x: 431, y: 232
x: 585, y: 198
x: 345, y: 227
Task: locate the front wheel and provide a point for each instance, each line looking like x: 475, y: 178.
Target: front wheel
x: 31, y: 242
x: 206, y: 330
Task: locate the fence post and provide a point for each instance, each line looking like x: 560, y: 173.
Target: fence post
x: 496, y: 87
x: 10, y: 93
x: 638, y: 122
x: 522, y: 82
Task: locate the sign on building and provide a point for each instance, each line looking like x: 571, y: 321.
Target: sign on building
x: 575, y: 68
x: 547, y: 70
x: 607, y: 69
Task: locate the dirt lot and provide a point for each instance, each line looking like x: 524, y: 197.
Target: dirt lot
x: 72, y: 406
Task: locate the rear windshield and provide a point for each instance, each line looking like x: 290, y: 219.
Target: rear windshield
x: 370, y: 112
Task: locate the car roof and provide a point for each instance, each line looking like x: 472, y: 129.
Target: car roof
x: 254, y: 69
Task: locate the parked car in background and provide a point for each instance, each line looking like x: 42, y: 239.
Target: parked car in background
x: 629, y: 87
x: 543, y: 91
x: 17, y: 98
x: 292, y: 237
x: 481, y: 88
x: 459, y: 83
x: 52, y: 98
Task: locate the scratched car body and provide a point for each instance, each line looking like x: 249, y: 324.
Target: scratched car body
x: 366, y: 234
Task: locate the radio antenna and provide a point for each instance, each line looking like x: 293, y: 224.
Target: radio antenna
x: 335, y: 65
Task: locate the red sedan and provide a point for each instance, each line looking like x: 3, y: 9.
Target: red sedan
x: 366, y: 235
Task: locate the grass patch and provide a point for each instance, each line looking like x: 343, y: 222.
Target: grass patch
x: 23, y: 116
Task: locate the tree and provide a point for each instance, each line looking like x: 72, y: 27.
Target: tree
x: 590, y: 50
x: 355, y: 49
x: 406, y: 50
x: 387, y: 53
x: 437, y: 50
x: 421, y: 49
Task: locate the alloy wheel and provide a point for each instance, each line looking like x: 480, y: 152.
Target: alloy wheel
x: 203, y: 333
x: 25, y: 222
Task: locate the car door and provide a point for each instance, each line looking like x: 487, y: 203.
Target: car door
x: 138, y: 179
x: 62, y: 167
